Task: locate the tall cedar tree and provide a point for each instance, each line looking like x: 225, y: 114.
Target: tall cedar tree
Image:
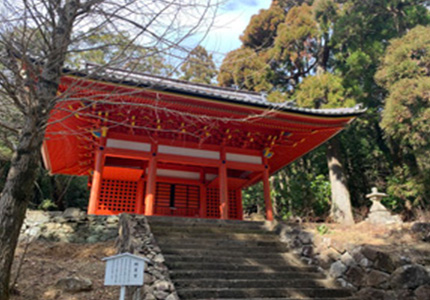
x: 346, y: 39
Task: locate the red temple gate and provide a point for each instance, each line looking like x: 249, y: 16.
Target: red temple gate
x: 158, y: 146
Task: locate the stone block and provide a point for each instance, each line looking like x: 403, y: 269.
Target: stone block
x: 376, y: 278
x: 355, y: 275
x: 369, y: 252
x: 409, y: 277
x: 423, y: 292
x: 307, y: 251
x: 161, y: 295
x: 384, y: 262
x: 347, y: 259
x: 72, y: 213
x: 306, y: 237
x: 74, y: 284
x: 372, y: 294
x: 337, y: 269
x: 172, y: 296
x: 36, y: 217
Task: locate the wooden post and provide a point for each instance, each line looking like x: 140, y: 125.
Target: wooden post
x: 96, y: 183
x: 203, y: 191
x: 223, y: 186
x: 151, y: 182
x: 266, y: 187
x: 239, y: 203
x: 139, y: 196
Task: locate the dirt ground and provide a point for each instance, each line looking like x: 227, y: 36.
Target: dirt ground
x: 390, y: 238
x: 46, y: 262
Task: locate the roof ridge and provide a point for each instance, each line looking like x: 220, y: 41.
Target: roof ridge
x: 130, y: 72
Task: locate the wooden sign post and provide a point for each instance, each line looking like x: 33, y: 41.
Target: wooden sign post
x: 124, y: 270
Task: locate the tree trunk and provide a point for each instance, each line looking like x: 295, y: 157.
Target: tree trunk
x: 340, y: 199
x: 16, y: 196
x: 39, y: 100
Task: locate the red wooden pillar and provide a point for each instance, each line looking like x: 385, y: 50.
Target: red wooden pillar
x: 223, y: 187
x: 96, y: 183
x: 151, y: 182
x: 266, y: 187
x: 203, y: 195
x: 97, y: 175
x: 139, y: 196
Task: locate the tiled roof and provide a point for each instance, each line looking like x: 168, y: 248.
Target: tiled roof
x: 205, y: 91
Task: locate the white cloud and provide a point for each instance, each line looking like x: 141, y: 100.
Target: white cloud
x: 230, y: 23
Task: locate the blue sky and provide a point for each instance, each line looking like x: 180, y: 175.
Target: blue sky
x: 232, y: 19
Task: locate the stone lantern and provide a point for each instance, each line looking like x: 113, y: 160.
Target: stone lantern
x: 378, y: 213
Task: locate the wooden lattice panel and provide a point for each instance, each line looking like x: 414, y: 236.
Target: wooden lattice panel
x: 117, y: 196
x: 177, y: 199
x: 213, y: 204
x: 232, y: 205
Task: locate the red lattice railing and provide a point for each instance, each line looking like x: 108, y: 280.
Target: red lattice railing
x: 117, y: 196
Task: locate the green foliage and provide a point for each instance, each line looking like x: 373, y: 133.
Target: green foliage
x: 406, y: 57
x: 406, y: 117
x: 296, y: 44
x: 63, y: 190
x: 47, y: 205
x: 405, y: 73
x: 321, y: 192
x: 323, y: 229
x: 278, y: 97
x: 244, y: 68
x: 199, y: 67
x: 253, y: 199
x: 322, y: 91
x: 325, y: 53
x: 261, y: 31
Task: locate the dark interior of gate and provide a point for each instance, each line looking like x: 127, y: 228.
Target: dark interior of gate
x: 175, y: 195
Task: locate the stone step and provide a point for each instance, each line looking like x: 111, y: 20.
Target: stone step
x: 210, y: 253
x: 237, y: 267
x: 241, y: 249
x: 347, y: 298
x: 219, y: 243
x: 214, y: 234
x: 209, y: 229
x: 194, y: 222
x: 247, y: 293
x: 288, y: 259
x: 249, y: 275
x: 252, y: 283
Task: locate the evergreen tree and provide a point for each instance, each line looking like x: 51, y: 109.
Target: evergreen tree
x: 405, y: 74
x: 199, y: 67
x: 342, y: 42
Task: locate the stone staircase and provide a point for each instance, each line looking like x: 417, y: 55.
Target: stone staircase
x: 219, y: 259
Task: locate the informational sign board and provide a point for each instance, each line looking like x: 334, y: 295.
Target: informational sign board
x: 124, y: 269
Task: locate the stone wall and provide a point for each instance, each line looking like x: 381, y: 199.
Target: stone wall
x: 374, y: 273
x: 132, y: 234
x: 72, y: 225
x: 135, y: 237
